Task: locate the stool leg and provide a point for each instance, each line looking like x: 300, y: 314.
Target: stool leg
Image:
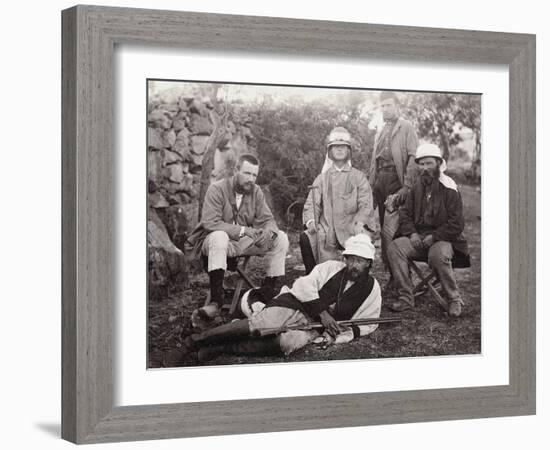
x: 423, y: 283
x: 429, y: 284
x: 438, y: 297
x: 243, y: 277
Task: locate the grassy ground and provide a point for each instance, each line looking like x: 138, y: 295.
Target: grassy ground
x: 426, y: 331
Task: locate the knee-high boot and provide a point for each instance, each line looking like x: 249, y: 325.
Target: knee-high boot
x: 307, y: 253
x: 228, y: 331
x: 265, y: 347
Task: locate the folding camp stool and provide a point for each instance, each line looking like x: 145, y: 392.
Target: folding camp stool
x: 233, y: 266
x: 430, y: 281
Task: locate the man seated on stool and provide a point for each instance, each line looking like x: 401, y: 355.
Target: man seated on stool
x: 236, y: 221
x: 334, y: 290
x: 431, y: 223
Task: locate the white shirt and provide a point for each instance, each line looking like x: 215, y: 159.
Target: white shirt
x: 238, y: 199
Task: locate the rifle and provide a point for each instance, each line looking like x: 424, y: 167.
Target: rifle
x: 316, y: 325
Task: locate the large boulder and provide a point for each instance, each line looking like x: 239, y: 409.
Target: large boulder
x: 156, y: 200
x: 167, y: 265
x: 179, y: 221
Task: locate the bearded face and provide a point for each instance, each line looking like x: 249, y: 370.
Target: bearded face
x: 245, y: 178
x: 429, y: 169
x: 357, y: 267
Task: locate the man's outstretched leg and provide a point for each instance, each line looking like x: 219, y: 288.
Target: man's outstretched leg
x: 229, y: 331
x: 251, y: 347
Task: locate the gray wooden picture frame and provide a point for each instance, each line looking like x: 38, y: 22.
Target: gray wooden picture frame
x: 90, y: 34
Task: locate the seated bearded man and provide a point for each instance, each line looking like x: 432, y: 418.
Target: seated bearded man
x: 431, y: 223
x: 236, y: 220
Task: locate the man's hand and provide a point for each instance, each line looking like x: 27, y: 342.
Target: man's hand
x: 251, y: 232
x: 330, y: 324
x: 401, y: 196
x: 416, y: 241
x: 358, y: 228
x: 428, y: 241
x: 311, y: 227
x: 392, y: 202
x: 263, y: 238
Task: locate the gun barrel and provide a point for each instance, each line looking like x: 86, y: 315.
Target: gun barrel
x: 311, y: 326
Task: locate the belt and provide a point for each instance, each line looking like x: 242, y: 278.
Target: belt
x: 387, y: 169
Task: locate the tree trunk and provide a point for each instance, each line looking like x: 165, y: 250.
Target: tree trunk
x: 219, y: 119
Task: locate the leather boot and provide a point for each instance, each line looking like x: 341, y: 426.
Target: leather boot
x: 259, y: 347
x: 228, y: 331
x: 266, y: 346
x: 217, y: 295
x: 307, y: 253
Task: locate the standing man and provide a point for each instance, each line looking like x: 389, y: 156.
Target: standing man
x: 338, y: 206
x: 431, y: 224
x: 235, y: 221
x: 334, y: 290
x: 392, y: 168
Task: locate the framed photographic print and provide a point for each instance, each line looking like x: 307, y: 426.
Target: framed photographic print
x: 164, y: 113
x: 274, y: 124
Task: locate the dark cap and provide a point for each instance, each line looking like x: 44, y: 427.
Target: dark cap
x: 386, y: 95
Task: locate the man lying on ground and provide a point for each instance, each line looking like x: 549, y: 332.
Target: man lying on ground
x: 333, y: 291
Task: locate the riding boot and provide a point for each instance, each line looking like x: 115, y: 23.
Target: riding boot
x: 250, y: 347
x: 228, y: 331
x: 217, y: 295
x: 266, y: 346
x: 307, y: 253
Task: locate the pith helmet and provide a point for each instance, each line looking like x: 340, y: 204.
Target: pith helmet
x: 428, y: 150
x: 339, y: 136
x: 360, y: 245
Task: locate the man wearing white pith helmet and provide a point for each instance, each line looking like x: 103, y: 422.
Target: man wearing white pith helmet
x: 338, y: 206
x: 333, y: 291
x: 431, y: 223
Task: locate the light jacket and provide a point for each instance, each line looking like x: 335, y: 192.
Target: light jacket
x: 340, y: 204
x: 315, y: 292
x: 220, y: 213
x: 404, y: 142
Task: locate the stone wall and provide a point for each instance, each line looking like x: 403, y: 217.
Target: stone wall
x: 178, y: 135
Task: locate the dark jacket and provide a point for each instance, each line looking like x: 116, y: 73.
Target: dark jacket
x: 448, y: 217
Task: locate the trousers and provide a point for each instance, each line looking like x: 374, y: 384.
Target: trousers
x: 218, y: 247
x: 387, y: 183
x: 440, y: 255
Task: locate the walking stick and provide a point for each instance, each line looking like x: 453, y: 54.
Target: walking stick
x: 312, y: 188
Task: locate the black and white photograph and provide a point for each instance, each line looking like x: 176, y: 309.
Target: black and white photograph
x: 305, y: 223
